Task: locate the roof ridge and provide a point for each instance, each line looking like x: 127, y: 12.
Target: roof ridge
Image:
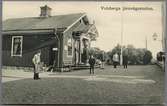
x: 45, y: 17
x: 58, y: 21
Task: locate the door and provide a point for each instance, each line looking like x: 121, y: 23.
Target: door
x: 53, y: 55
x: 76, y: 52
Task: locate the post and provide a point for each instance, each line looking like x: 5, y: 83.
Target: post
x: 79, y: 59
x: 58, y: 52
x: 146, y: 42
x: 121, y: 57
x: 163, y: 7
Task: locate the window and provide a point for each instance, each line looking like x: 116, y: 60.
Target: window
x: 85, y: 20
x: 16, y: 49
x: 80, y: 21
x: 69, y: 47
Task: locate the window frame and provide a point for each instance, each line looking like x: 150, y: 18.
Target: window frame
x: 12, y: 52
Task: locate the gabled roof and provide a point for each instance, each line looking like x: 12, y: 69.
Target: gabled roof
x: 83, y: 28
x: 53, y: 22
x: 90, y: 30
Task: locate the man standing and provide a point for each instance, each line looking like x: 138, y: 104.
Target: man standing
x: 125, y: 60
x: 37, y: 63
x: 115, y: 60
x: 92, y: 63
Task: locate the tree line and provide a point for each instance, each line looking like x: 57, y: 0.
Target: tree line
x: 136, y: 56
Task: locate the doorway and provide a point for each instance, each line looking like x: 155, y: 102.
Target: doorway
x: 77, y: 52
x: 53, y: 55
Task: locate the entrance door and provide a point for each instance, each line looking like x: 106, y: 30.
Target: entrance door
x: 77, y: 52
x: 53, y: 55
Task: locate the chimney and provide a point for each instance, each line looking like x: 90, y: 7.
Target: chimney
x: 45, y: 11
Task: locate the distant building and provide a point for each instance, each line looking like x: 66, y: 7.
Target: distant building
x: 63, y: 39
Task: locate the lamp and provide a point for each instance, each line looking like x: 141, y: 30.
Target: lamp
x: 155, y: 36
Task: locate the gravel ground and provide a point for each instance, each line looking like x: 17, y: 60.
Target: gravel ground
x: 137, y: 85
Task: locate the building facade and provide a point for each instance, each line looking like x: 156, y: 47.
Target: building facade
x: 64, y: 40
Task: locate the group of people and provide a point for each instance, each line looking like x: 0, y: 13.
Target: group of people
x: 92, y: 61
x: 116, y: 60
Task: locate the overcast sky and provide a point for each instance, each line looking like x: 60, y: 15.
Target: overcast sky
x: 135, y: 26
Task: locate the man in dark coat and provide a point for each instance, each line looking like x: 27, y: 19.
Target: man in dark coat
x: 37, y: 64
x: 92, y: 63
x: 125, y: 61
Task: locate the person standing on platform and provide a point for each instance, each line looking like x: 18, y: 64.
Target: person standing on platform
x: 92, y: 63
x: 125, y: 60
x: 115, y: 60
x: 37, y: 63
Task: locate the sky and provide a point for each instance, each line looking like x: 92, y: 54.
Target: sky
x: 134, y: 27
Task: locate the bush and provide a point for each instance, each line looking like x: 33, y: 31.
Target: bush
x: 147, y: 57
x: 161, y: 56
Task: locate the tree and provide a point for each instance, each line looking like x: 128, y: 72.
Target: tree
x: 135, y: 55
x: 147, y: 57
x: 96, y: 52
x: 141, y: 53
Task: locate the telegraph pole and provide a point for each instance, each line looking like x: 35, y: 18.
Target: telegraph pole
x: 121, y: 56
x: 146, y: 42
